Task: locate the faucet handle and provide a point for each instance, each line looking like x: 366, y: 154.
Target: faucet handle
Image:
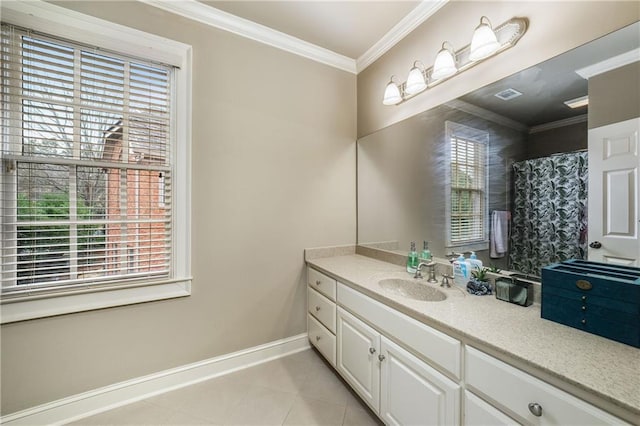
x: 445, y: 280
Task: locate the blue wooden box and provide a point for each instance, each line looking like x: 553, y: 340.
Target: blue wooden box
x: 598, y: 298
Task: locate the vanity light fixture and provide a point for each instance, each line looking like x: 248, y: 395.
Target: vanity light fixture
x: 416, y: 81
x: 578, y: 102
x: 445, y: 64
x: 485, y: 43
x: 392, y: 95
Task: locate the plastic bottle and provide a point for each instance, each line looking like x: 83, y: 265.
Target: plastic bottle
x: 461, y: 271
x: 412, y: 259
x: 476, y: 264
x: 425, y: 256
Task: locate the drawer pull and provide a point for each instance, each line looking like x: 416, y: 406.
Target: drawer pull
x: 317, y: 308
x: 583, y: 322
x: 584, y: 298
x: 318, y: 282
x: 536, y: 409
x: 372, y: 351
x: 381, y: 357
x: 584, y: 308
x: 317, y: 338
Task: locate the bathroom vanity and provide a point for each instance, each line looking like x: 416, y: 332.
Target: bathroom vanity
x: 472, y: 360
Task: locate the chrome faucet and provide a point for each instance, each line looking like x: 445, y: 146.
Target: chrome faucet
x: 432, y: 271
x: 418, y: 273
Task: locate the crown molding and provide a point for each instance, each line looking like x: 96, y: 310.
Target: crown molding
x: 609, y: 64
x: 487, y: 115
x: 560, y: 123
x: 399, y: 31
x: 211, y: 16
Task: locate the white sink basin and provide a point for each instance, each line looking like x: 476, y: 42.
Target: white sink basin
x: 412, y: 290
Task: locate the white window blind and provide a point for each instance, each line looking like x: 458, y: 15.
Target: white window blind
x: 468, y: 185
x: 86, y: 165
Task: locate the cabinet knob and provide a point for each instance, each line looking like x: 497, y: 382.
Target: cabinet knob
x: 318, y: 282
x: 535, y: 408
x: 584, y: 308
x: 317, y: 308
x: 381, y: 357
x: 372, y: 351
x: 583, y: 298
x: 317, y: 338
x: 583, y: 322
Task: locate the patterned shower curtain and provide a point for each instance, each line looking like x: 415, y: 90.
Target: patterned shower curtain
x: 549, y: 211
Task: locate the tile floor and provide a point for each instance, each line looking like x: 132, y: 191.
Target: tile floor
x: 300, y: 389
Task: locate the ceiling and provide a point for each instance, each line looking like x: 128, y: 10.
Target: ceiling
x: 348, y: 28
x: 546, y: 86
x: 352, y: 27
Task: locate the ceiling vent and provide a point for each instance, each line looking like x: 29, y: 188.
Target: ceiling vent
x: 508, y: 94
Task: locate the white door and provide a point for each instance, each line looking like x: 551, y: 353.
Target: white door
x: 357, y: 357
x: 413, y: 393
x: 614, y: 204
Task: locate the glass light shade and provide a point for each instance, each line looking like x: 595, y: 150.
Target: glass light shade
x: 484, y: 42
x: 444, y: 66
x: 392, y: 94
x: 415, y: 81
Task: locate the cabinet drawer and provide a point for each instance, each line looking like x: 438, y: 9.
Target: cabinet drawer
x: 479, y: 413
x: 496, y: 381
x: 435, y: 346
x: 321, y: 282
x: 322, y: 339
x: 322, y: 308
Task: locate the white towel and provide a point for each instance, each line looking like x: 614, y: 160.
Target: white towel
x: 499, y: 233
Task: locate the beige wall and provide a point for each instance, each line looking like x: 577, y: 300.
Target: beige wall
x: 273, y: 173
x: 561, y: 139
x: 613, y: 96
x: 555, y: 27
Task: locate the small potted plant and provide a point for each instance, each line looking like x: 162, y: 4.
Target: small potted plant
x: 479, y: 283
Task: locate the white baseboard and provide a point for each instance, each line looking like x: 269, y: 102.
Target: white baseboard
x: 98, y: 400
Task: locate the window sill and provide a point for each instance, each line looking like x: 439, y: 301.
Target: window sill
x: 477, y: 246
x: 21, y: 310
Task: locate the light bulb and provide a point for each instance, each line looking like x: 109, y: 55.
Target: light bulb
x: 445, y: 64
x: 415, y: 81
x: 484, y: 42
x: 392, y: 94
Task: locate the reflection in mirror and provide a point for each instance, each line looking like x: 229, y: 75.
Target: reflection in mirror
x: 420, y: 180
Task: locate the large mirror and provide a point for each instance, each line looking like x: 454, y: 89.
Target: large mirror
x: 461, y: 175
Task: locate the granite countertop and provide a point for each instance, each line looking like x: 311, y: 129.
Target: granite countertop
x: 591, y: 363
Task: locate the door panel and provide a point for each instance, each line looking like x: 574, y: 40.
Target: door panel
x: 357, y: 357
x: 414, y: 393
x: 613, y: 193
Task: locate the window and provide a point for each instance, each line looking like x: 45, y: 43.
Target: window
x: 467, y: 210
x: 90, y: 154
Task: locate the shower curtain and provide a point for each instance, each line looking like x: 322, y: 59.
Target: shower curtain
x: 549, y: 218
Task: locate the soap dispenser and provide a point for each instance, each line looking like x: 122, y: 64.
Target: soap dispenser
x: 425, y: 256
x: 412, y: 259
x: 476, y: 264
x: 461, y: 271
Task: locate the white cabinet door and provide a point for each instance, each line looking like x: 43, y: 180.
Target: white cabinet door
x: 479, y: 413
x: 413, y: 393
x: 357, y: 357
x: 614, y: 200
